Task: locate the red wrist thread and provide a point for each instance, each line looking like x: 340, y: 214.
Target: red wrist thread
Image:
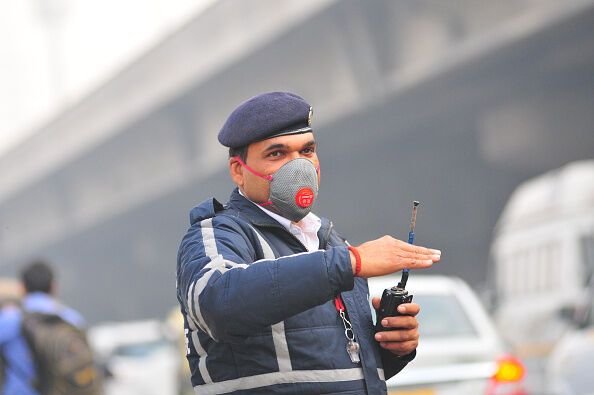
x: 357, y: 259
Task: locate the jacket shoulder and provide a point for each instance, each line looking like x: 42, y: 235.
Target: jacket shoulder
x: 213, y: 222
x: 205, y: 210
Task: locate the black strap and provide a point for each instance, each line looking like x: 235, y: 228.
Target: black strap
x: 3, y: 365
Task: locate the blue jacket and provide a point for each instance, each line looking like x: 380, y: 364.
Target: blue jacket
x: 19, y: 369
x: 259, y: 312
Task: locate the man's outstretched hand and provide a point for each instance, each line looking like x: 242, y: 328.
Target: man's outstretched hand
x: 387, y: 255
x: 402, y: 336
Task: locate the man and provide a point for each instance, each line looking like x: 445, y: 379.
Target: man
x: 274, y: 300
x: 20, y: 370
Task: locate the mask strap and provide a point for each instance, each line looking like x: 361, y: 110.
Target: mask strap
x: 266, y: 177
x: 269, y: 178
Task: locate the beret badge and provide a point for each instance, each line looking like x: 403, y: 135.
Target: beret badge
x: 309, y: 116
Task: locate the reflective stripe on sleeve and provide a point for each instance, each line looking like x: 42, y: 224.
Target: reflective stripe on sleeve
x: 281, y: 348
x: 192, y: 320
x: 208, y: 238
x: 217, y: 264
x: 202, y: 358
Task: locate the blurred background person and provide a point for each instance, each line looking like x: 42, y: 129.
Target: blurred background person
x: 43, y: 343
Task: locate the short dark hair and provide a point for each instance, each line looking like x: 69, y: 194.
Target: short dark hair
x: 239, y: 151
x: 37, y: 277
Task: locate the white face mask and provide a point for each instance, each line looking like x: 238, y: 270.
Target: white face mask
x: 293, y: 188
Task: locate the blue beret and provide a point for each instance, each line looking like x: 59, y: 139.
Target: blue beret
x: 265, y: 116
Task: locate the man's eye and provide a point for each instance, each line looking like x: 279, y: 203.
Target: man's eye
x: 274, y: 154
x: 308, y: 151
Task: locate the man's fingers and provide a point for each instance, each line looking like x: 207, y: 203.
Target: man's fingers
x: 409, y: 309
x: 400, y: 322
x: 400, y: 348
x: 397, y: 335
x: 414, y: 263
x: 418, y: 250
x: 415, y: 249
x: 417, y: 258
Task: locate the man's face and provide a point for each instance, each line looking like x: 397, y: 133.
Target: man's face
x: 266, y: 157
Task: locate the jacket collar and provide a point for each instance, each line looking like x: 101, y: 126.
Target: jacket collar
x: 248, y: 211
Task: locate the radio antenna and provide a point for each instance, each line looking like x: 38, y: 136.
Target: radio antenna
x: 411, y: 240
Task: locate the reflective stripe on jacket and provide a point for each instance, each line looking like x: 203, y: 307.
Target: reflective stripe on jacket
x: 259, y: 312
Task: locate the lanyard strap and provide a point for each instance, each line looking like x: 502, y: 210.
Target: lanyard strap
x: 348, y: 328
x: 339, y: 304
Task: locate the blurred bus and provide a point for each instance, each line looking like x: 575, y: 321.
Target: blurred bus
x: 543, y: 259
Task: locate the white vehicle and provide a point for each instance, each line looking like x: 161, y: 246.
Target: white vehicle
x: 569, y: 368
x: 139, y: 356
x: 543, y: 257
x: 459, y: 350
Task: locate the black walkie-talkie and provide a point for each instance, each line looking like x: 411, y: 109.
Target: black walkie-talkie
x: 397, y: 295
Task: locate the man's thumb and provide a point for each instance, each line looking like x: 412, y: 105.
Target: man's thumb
x: 375, y: 302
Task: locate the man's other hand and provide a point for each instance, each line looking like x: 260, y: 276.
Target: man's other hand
x: 402, y: 336
x: 387, y: 255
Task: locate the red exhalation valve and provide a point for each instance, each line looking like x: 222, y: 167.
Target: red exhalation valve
x: 304, y: 197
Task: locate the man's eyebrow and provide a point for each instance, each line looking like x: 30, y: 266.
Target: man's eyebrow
x: 275, y: 146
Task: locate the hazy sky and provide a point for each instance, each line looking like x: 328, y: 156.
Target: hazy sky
x: 53, y: 52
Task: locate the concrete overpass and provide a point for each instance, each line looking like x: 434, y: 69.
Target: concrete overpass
x: 453, y: 105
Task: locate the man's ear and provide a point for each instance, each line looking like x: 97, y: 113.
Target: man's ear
x: 236, y: 172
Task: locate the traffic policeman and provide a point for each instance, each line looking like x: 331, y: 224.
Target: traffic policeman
x: 274, y: 299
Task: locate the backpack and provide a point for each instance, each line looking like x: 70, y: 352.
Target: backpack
x: 2, y: 369
x: 62, y: 356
